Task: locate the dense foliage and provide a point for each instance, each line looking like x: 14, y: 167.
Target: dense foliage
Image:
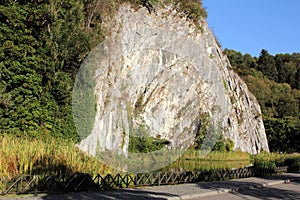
x: 274, y: 80
x: 42, y: 44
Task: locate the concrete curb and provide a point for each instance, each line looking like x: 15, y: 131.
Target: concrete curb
x: 222, y: 191
x: 206, y: 194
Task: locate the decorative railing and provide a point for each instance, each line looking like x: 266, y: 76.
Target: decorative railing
x: 82, y: 182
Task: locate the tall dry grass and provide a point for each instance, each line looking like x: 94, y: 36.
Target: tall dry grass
x: 44, y: 156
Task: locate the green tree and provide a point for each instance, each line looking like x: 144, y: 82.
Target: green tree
x: 286, y: 68
x: 42, y: 46
x: 20, y: 65
x: 66, y: 44
x: 283, y: 134
x: 283, y: 101
x: 242, y: 64
x: 266, y: 64
x: 296, y: 60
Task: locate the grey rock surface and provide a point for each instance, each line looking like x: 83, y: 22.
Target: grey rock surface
x: 158, y: 74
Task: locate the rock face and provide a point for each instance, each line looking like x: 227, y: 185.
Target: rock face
x: 158, y: 74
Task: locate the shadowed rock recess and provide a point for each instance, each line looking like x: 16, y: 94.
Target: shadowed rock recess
x: 158, y: 74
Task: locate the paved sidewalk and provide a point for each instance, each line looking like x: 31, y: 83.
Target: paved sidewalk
x: 171, y: 192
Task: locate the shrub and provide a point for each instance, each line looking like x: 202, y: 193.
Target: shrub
x: 229, y: 144
x: 192, y: 8
x: 224, y: 145
x: 271, y: 160
x: 293, y: 164
x: 264, y: 161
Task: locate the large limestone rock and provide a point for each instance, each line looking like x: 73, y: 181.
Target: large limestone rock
x: 157, y: 73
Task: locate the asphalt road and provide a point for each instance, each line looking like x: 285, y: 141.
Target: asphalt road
x: 288, y: 191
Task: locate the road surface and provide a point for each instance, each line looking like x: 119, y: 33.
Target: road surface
x: 288, y: 191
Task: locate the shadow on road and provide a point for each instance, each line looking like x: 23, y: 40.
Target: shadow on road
x: 272, y: 193
x: 250, y: 190
x: 127, y: 194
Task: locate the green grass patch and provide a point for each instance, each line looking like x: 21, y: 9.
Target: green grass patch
x: 199, y: 160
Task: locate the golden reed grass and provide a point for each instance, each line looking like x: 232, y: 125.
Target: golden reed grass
x: 20, y: 155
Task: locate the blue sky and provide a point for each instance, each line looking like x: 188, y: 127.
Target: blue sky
x: 249, y: 26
